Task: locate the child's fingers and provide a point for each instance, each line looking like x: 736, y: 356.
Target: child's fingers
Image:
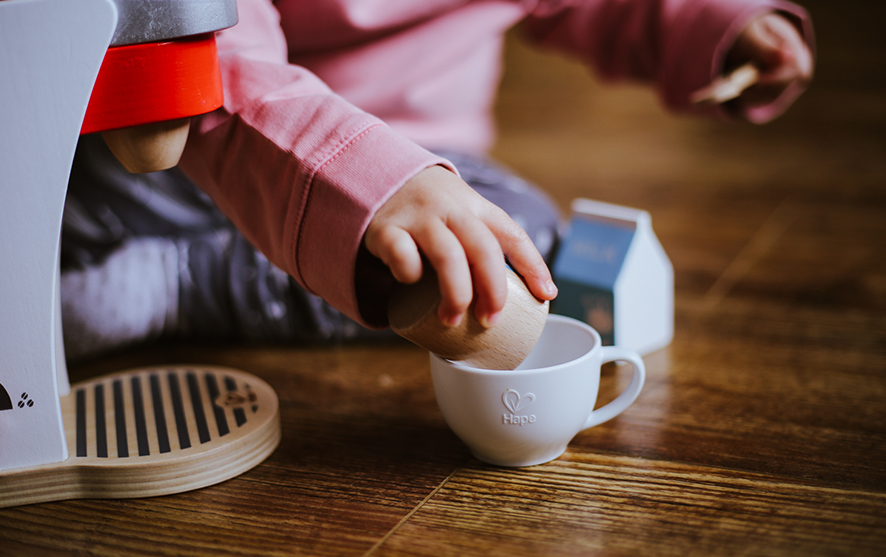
x: 776, y: 48
x: 397, y: 249
x: 792, y: 48
x: 762, y: 45
x: 771, y: 84
x: 486, y: 262
x: 523, y: 256
x: 774, y: 82
x: 438, y: 217
x: 446, y: 255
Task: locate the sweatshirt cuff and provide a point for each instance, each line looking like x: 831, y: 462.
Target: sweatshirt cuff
x: 346, y: 192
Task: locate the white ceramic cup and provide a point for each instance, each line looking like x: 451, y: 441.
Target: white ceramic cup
x: 528, y: 415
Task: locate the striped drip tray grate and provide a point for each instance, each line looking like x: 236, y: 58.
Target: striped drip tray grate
x: 154, y: 431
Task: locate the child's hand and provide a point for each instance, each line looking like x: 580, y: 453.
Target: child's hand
x: 776, y: 48
x: 465, y: 239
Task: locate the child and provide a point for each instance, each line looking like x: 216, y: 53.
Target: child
x: 349, y: 151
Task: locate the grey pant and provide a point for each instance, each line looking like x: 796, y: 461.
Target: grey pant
x: 146, y: 256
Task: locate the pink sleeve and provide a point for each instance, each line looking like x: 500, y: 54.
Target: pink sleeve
x: 679, y: 45
x: 297, y: 169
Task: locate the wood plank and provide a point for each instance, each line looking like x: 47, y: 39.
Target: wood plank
x: 363, y: 444
x: 754, y: 405
x: 602, y: 504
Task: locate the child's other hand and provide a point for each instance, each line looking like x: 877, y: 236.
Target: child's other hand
x: 776, y: 48
x: 465, y: 239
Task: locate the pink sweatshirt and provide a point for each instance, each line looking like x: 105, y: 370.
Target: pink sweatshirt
x: 330, y: 105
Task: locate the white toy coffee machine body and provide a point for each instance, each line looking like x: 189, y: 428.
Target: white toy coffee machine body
x: 51, y: 53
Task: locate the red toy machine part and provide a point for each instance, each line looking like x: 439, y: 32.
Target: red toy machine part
x: 145, y: 93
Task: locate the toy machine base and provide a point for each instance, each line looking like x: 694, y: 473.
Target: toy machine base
x: 153, y: 431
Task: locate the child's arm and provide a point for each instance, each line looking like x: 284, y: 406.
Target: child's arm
x: 302, y: 173
x: 679, y: 46
x: 463, y: 236
x: 298, y: 169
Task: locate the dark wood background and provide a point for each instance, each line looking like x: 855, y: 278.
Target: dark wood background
x: 761, y: 430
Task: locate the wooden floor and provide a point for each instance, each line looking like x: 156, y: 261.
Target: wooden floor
x: 761, y: 430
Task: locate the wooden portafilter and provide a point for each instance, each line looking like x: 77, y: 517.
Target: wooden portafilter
x: 412, y: 313
x: 149, y: 147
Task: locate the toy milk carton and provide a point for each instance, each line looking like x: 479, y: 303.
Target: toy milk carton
x: 614, y: 275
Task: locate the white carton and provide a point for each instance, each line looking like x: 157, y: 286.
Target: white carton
x: 614, y: 275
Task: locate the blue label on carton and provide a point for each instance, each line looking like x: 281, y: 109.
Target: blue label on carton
x: 586, y: 270
x: 593, y: 253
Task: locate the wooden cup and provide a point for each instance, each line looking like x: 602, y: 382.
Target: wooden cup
x: 412, y: 313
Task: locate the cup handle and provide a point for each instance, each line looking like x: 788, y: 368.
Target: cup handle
x: 629, y: 395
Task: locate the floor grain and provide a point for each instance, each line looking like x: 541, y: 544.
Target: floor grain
x: 762, y: 427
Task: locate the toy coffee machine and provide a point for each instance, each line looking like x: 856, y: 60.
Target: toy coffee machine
x: 136, y: 71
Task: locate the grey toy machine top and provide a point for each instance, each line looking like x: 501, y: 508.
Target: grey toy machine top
x: 150, y: 21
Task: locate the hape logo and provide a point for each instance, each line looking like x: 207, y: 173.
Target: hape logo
x: 515, y: 402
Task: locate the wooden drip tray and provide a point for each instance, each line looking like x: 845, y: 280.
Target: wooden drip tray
x: 153, y: 431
